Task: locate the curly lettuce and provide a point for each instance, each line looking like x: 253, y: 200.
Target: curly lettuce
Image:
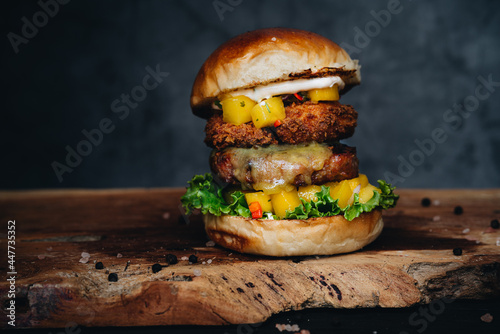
x: 204, y: 194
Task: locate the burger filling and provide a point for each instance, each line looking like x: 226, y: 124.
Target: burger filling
x: 277, y: 156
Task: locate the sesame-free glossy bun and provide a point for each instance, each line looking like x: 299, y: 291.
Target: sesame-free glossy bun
x: 269, y: 55
x: 314, y: 236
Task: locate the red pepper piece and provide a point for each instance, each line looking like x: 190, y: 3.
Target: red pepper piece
x: 255, y: 209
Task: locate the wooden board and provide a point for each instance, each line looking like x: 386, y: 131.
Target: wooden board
x: 129, y: 230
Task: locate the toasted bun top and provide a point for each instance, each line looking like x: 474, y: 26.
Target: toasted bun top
x: 269, y: 55
x: 291, y: 237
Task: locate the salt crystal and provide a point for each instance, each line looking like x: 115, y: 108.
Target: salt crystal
x: 197, y: 272
x: 85, y: 254
x: 436, y: 218
x: 203, y: 262
x: 498, y: 242
x: 41, y: 257
x: 49, y: 249
x: 209, y: 261
x: 487, y: 317
x: 84, y: 260
x: 210, y: 243
x: 436, y: 202
x: 288, y: 327
x: 273, y: 39
x: 119, y: 255
x: 184, y: 258
x: 466, y: 230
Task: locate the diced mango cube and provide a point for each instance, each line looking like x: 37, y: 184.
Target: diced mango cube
x: 268, y: 111
x: 324, y: 94
x: 283, y: 201
x: 343, y: 193
x: 366, y: 193
x: 236, y: 110
x: 354, y: 183
x: 263, y: 199
x: 363, y: 180
x: 309, y: 192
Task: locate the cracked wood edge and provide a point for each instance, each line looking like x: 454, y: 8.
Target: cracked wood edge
x: 252, y: 292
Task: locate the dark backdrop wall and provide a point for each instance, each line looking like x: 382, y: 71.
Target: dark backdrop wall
x: 428, y: 105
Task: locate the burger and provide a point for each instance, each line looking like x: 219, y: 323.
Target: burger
x: 281, y: 183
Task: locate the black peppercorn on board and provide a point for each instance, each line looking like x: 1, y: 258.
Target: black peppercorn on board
x: 131, y: 258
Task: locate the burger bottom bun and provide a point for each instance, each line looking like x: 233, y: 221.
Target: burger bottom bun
x: 314, y: 236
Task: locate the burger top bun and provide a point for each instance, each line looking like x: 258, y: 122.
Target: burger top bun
x: 314, y: 236
x: 269, y: 55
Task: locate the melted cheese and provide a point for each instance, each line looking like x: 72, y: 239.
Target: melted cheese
x: 258, y: 93
x: 276, y: 167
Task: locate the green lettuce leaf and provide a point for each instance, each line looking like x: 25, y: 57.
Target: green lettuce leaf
x: 323, y: 207
x: 204, y: 194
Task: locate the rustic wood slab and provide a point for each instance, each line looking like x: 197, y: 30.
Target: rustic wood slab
x: 130, y: 230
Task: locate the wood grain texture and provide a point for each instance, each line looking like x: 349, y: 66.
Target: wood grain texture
x: 411, y: 262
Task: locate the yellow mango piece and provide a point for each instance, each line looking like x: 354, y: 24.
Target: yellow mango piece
x: 308, y: 192
x: 343, y: 193
x: 268, y: 111
x: 353, y: 183
x: 236, y: 110
x: 283, y: 201
x: 324, y: 94
x: 277, y: 107
x: 366, y: 193
x: 263, y: 199
x: 363, y: 180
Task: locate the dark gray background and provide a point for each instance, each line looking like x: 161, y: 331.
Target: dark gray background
x: 425, y: 60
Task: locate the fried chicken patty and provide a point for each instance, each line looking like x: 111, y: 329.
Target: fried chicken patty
x: 301, y: 165
x: 304, y: 122
x: 320, y: 122
x: 221, y: 134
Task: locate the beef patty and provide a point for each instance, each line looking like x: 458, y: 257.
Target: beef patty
x: 281, y: 166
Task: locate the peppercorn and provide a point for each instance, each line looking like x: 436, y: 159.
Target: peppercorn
x: 457, y: 251
x: 458, y: 210
x: 156, y: 268
x: 171, y: 259
x: 99, y: 265
x: 426, y: 202
x: 193, y: 258
x: 495, y: 224
x: 113, y: 277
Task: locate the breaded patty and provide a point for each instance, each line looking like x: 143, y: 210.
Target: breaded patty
x: 304, y: 122
x: 236, y: 167
x: 319, y: 122
x: 220, y: 135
